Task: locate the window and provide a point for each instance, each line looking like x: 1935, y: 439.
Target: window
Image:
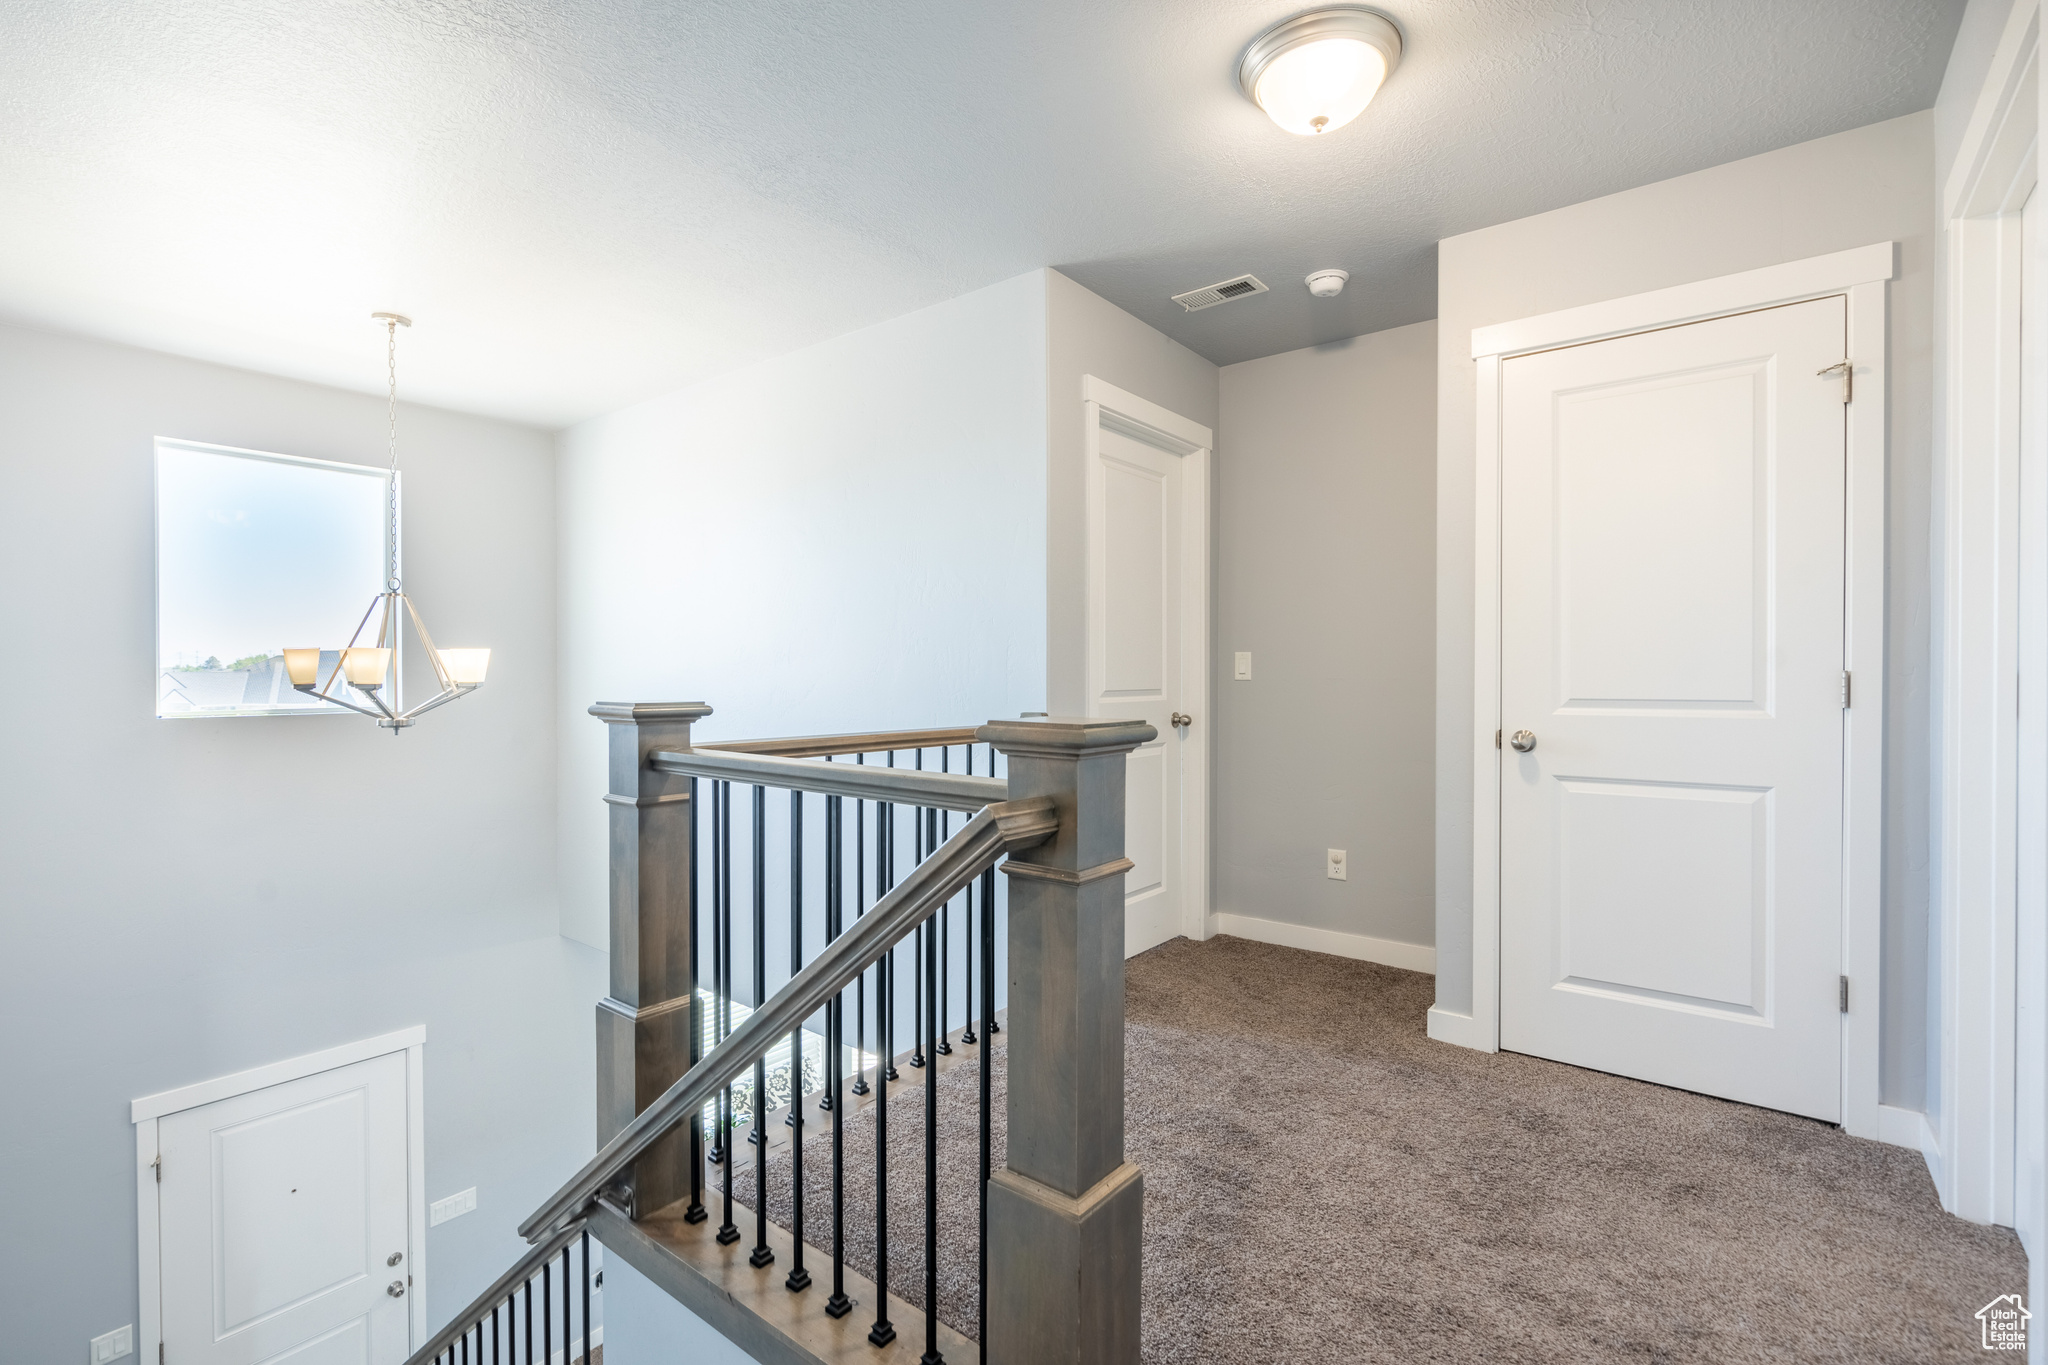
x: 255, y: 554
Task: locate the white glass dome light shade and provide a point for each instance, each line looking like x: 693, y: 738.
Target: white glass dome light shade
x: 1322, y: 85
x: 1317, y: 72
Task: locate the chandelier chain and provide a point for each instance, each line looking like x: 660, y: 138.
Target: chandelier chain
x: 391, y: 481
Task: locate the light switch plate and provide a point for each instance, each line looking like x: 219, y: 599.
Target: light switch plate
x: 113, y: 1345
x: 1244, y: 666
x: 454, y: 1206
x: 1338, y: 870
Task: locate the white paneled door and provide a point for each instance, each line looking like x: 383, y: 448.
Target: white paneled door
x: 1672, y: 579
x: 283, y: 1223
x: 1134, y: 660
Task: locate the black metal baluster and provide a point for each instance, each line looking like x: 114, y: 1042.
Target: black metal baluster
x: 990, y: 1028
x: 720, y: 847
x: 943, y: 1047
x: 586, y: 1298
x: 828, y: 1095
x: 763, y: 1254
x: 932, y: 1355
x: 568, y: 1315
x: 838, y: 1305
x: 717, y: 952
x: 967, y: 1035
x: 988, y: 1057
x: 695, y: 1213
x: 494, y: 1338
x: 860, y: 907
x: 529, y: 1320
x: 917, y: 1000
x: 799, y: 1278
x: 794, y: 1119
x: 927, y: 819
x: 885, y: 969
x: 728, y: 1232
x: 883, y: 1332
x: 547, y: 1314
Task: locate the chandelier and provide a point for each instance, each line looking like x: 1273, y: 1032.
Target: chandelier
x: 366, y: 676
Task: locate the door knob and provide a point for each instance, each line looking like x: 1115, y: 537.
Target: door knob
x: 1180, y: 721
x: 395, y: 1258
x: 396, y: 1289
x: 1522, y: 741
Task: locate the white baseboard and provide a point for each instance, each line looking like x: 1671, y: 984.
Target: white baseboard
x: 1413, y: 957
x: 1910, y: 1128
x: 1903, y: 1127
x: 1460, y: 1030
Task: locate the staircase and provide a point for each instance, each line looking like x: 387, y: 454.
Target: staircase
x: 1050, y: 1273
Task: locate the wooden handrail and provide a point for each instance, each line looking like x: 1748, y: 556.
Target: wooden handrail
x: 864, y: 742
x: 869, y: 782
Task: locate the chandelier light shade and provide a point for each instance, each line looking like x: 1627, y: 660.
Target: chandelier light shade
x: 466, y: 667
x: 366, y: 676
x: 366, y: 668
x: 1316, y: 72
x: 303, y: 666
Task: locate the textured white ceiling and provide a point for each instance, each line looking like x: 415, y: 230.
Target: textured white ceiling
x: 588, y: 202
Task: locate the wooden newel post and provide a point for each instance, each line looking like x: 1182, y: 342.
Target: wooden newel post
x: 645, y: 1024
x: 1066, y: 1216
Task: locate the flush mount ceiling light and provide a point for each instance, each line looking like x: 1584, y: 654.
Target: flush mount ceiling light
x: 369, y: 672
x: 1318, y: 71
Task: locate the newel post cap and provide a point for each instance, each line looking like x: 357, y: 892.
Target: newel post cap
x: 1066, y: 736
x: 642, y: 712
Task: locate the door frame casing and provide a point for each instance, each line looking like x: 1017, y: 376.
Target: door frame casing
x: 1979, y: 455
x: 1860, y: 274
x: 1104, y: 404
x: 146, y: 1112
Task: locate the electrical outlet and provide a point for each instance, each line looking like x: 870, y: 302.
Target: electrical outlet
x: 1244, y: 666
x: 454, y: 1206
x: 114, y: 1345
x: 1337, y: 868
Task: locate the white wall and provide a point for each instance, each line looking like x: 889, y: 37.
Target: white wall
x: 185, y: 899
x: 1087, y: 335
x: 1866, y: 185
x: 1969, y: 61
x: 1325, y: 571
x: 850, y: 537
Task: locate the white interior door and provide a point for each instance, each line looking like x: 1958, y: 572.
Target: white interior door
x: 283, y: 1223
x: 1672, y: 577
x: 1135, y: 659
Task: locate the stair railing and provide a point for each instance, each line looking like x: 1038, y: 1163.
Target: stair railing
x: 997, y: 830
x: 1065, y: 1198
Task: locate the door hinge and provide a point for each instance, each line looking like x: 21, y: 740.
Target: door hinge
x: 1496, y: 739
x: 1845, y: 690
x: 158, y: 1167
x: 159, y: 1353
x: 1845, y: 995
x: 1848, y: 373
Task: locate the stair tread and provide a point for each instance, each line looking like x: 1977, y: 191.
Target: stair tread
x: 752, y: 1307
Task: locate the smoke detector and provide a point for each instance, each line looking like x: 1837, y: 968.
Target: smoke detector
x: 1327, y: 284
x: 1196, y: 299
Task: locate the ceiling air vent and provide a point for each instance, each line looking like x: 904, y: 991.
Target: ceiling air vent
x: 1196, y: 299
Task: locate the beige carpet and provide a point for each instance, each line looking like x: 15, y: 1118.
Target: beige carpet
x: 1325, y: 1184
